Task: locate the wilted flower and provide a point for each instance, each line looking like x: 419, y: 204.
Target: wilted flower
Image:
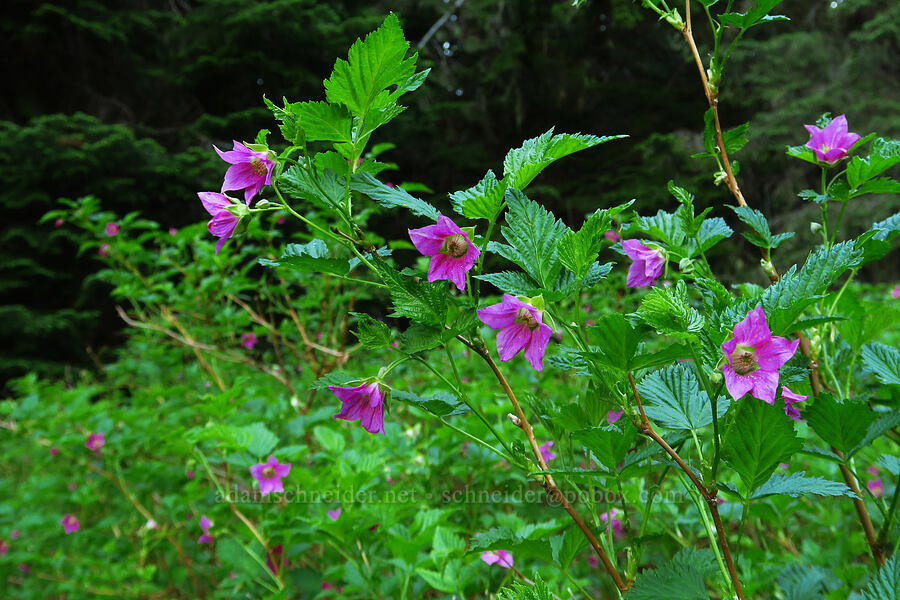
x: 334, y: 514
x: 647, y: 266
x: 363, y: 402
x: 611, y: 520
x: 876, y: 487
x: 223, y: 220
x: 269, y: 475
x: 95, y: 441
x: 69, y: 523
x: 831, y: 143
x: 499, y: 557
x: 452, y: 253
x: 249, y: 170
x: 754, y: 357
x: 790, y: 398
x: 521, y: 326
x: 205, y: 524
x: 112, y: 229
x: 248, y: 340
x: 546, y: 453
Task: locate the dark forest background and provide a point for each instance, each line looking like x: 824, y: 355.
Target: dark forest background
x: 122, y: 99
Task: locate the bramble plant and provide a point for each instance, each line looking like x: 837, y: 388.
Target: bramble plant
x: 651, y: 435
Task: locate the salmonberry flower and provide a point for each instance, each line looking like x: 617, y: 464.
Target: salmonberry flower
x: 103, y: 250
x: 831, y: 143
x: 112, y: 229
x: 876, y: 486
x: 754, y: 357
x: 613, y: 415
x: 223, y: 220
x: 546, y: 453
x: 335, y: 514
x: 69, y: 523
x: 790, y: 398
x: 895, y: 293
x: 248, y: 340
x: 452, y: 253
x: 647, y: 266
x: 249, y: 170
x: 95, y: 441
x: 205, y: 525
x: 4, y: 547
x: 521, y: 326
x: 611, y: 520
x: 364, y: 402
x: 269, y: 475
x: 612, y: 235
x: 498, y: 557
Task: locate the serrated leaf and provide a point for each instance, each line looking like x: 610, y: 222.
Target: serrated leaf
x: 757, y: 222
x: 883, y: 154
x: 761, y: 437
x: 311, y: 257
x: 371, y: 333
x: 484, y: 200
x: 503, y: 538
x: 886, y: 583
x: 617, y: 341
x: 262, y: 441
x: 578, y: 250
x: 290, y: 127
x: 884, y: 361
x: 676, y: 579
x: 445, y: 542
x: 523, y: 164
x: 419, y: 338
x: 712, y: 231
x: 663, y: 226
x: 736, y: 138
x: 668, y: 311
x: 564, y: 548
x: 796, y: 485
x: 330, y: 440
x: 532, y: 232
x: 513, y: 282
x: 672, y: 397
x: 417, y: 300
x: 323, y: 189
x: 608, y: 444
x: 372, y: 66
x: 841, y: 424
x: 390, y: 197
x: 799, y: 582
x: 883, y: 423
x: 323, y: 121
x: 441, y: 404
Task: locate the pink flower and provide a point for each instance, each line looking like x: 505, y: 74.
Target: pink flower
x: 363, y: 402
x: 24, y: 568
x: 103, y: 250
x: 72, y: 486
x: 754, y: 357
x: 54, y: 451
x: 173, y: 232
x: 592, y: 560
x: 876, y: 487
x: 611, y: 520
x: 69, y: 523
x: 249, y: 170
x: 546, y: 453
x: 95, y: 441
x: 520, y: 326
x: 151, y: 524
x: 334, y: 514
x: 328, y: 586
x: 647, y: 266
x: 613, y: 415
x: 790, y: 398
x: 499, y: 557
x: 205, y: 524
x: 269, y: 475
x: 895, y: 293
x: 613, y: 237
x: 248, y: 340
x: 223, y: 220
x: 452, y: 253
x: 831, y: 143
x: 112, y: 229
x: 189, y: 474
x: 58, y: 223
x: 4, y: 547
x: 274, y: 557
x: 280, y: 221
x: 14, y: 534
x: 871, y: 470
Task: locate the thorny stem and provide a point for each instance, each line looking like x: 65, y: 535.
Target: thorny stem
x: 708, y: 495
x: 549, y: 483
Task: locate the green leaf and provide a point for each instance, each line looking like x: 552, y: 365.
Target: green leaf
x: 736, y: 138
x: 762, y: 235
x: 883, y: 423
x: 841, y: 424
x: 761, y: 437
x: 796, y: 485
x: 609, y: 444
x: 577, y: 251
x: 371, y: 333
x: 677, y: 579
x: 513, y: 282
x: 443, y: 581
x: 712, y: 231
x: 484, y: 200
x: 564, y: 548
x: 709, y: 132
x: 262, y: 441
x: 419, y: 338
x: 372, y: 66
x: 672, y: 397
x: 419, y: 301
x: 290, y: 126
x: 884, y: 361
x: 329, y: 439
x: 617, y: 341
x: 883, y: 154
x: 442, y: 404
x: 503, y: 538
x: 520, y: 591
x: 532, y: 232
x: 311, y: 257
x: 522, y: 165
x: 323, y: 121
x: 864, y: 321
x: 323, y: 189
x: 669, y: 311
x: 663, y: 226
x: 390, y: 197
x: 799, y: 582
x: 755, y: 16
x: 886, y: 583
x: 446, y: 543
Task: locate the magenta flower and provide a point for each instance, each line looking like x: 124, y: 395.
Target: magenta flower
x: 895, y: 293
x: 274, y: 557
x: 14, y: 534
x: 269, y: 475
x: 790, y: 398
x: 69, y: 523
x: 611, y: 520
x: 95, y: 441
x: 832, y: 143
x: 54, y: 451
x: 613, y: 415
x: 4, y: 547
x: 58, y: 223
x: 328, y: 586
x: 546, y: 453
x: 592, y: 560
x: 647, y: 266
x: 334, y: 514
x: 754, y: 357
x: 452, y: 253
x: 248, y: 340
x: 613, y: 237
x: 520, y: 326
x: 205, y: 525
x: 249, y: 170
x: 173, y: 232
x: 876, y: 487
x: 363, y: 402
x: 112, y: 229
x: 223, y: 220
x: 103, y: 250
x: 499, y: 557
x: 871, y: 470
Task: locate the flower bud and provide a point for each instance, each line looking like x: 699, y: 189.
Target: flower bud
x: 686, y: 266
x: 815, y: 227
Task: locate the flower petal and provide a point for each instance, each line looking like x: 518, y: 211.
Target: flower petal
x: 512, y: 339
x: 753, y: 330
x: 737, y: 385
x: 765, y: 384
x: 213, y: 202
x: 498, y: 316
x: 537, y: 346
x: 772, y: 355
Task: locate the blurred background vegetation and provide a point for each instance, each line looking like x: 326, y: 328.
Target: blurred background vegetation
x: 122, y: 99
